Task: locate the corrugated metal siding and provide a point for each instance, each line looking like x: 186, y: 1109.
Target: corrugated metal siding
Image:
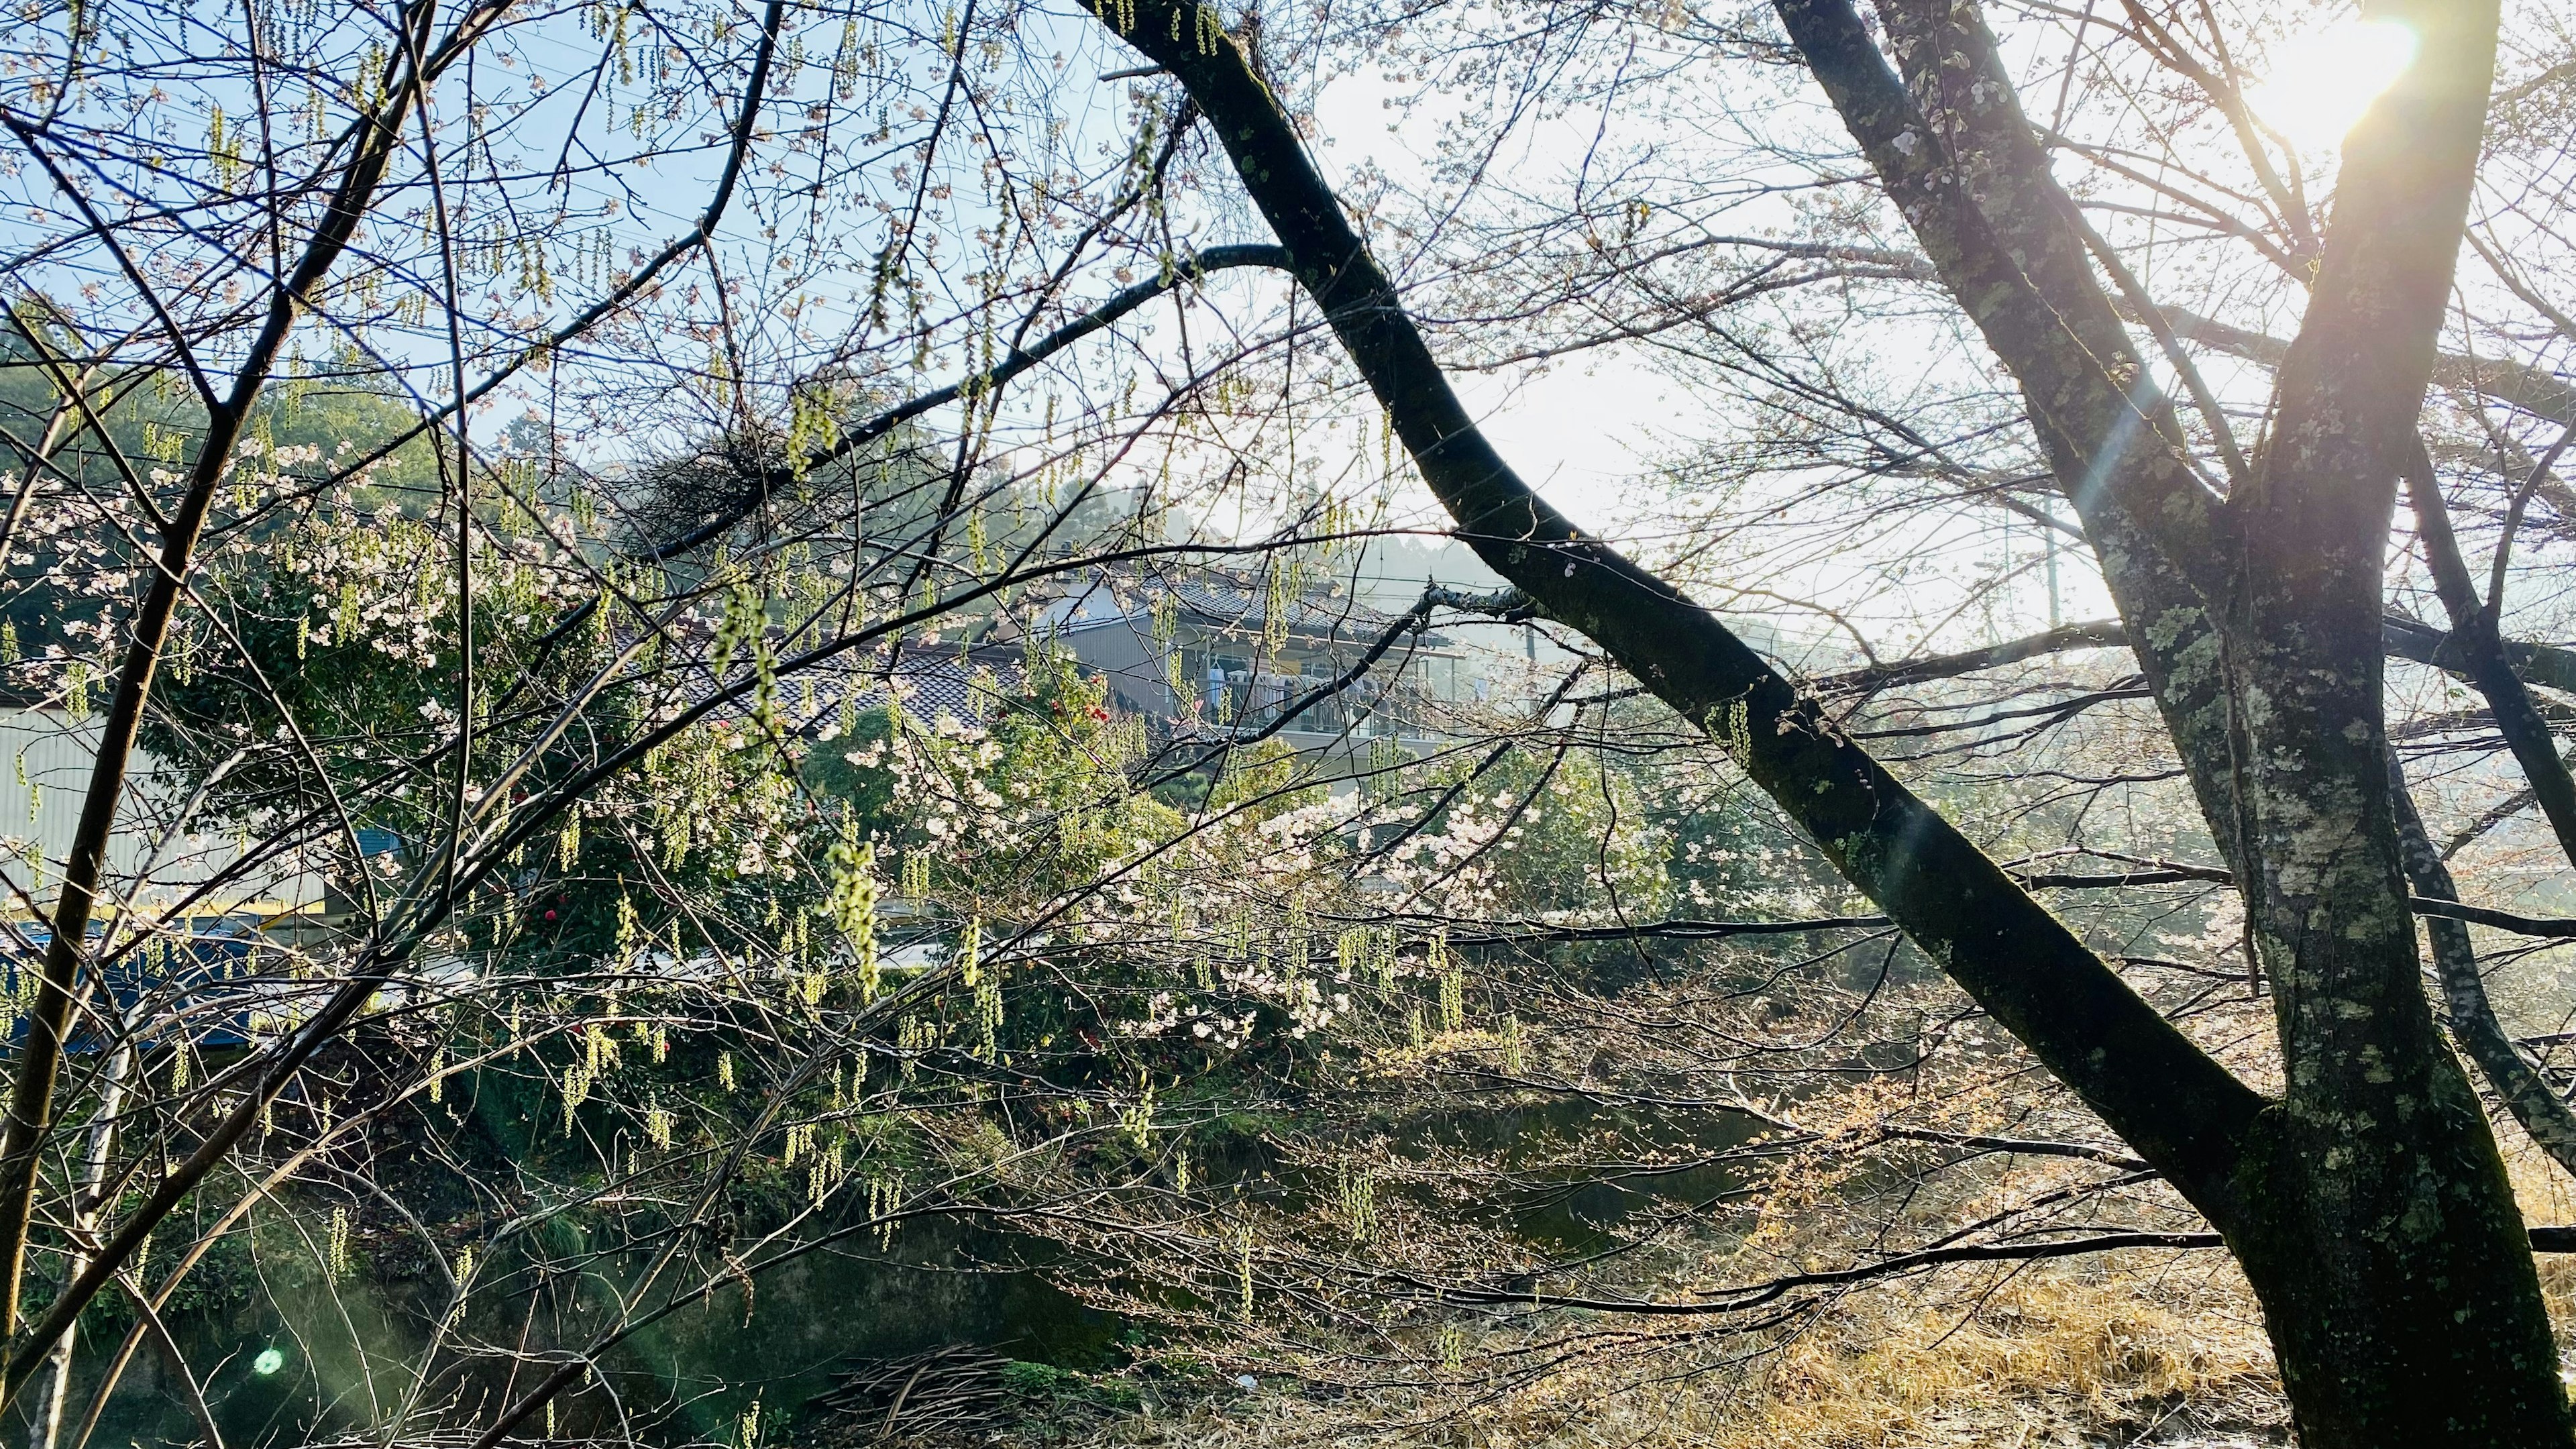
x: 45, y: 760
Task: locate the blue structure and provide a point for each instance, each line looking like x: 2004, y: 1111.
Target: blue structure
x: 182, y: 983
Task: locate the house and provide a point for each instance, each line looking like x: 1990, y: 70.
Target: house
x: 1208, y: 655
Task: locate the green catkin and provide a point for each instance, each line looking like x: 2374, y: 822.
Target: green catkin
x: 853, y: 904
x: 1453, y: 984
x: 336, y: 1257
x: 1243, y: 1268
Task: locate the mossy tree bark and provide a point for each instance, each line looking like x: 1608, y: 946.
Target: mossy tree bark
x: 2376, y: 1224
x: 2368, y: 1204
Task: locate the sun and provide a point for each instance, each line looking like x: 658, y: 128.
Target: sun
x: 2323, y: 83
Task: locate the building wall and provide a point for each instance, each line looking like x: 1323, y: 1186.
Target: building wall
x: 45, y: 762
x: 1132, y: 663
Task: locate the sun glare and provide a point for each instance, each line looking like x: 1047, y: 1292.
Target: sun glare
x: 2324, y: 82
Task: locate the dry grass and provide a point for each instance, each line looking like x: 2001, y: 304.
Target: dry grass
x: 2139, y: 1349
x: 2115, y: 1353
x: 2163, y: 1350
x: 2045, y: 1358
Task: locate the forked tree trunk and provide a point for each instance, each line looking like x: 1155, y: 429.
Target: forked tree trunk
x: 2368, y: 1206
